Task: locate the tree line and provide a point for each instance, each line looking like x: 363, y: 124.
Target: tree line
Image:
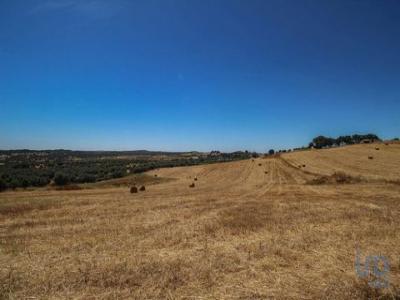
x: 323, y: 141
x: 326, y: 142
x: 25, y: 168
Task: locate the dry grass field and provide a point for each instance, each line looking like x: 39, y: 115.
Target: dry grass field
x: 247, y: 230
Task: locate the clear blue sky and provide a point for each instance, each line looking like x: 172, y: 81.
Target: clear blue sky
x: 196, y: 74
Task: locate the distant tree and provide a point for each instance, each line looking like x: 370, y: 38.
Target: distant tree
x: 271, y: 152
x: 372, y: 137
x: 61, y: 179
x: 25, y: 183
x: 356, y: 138
x: 395, y: 139
x: 3, y: 185
x: 254, y: 155
x: 322, y: 141
x: 346, y: 139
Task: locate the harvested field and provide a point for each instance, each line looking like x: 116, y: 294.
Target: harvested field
x: 352, y: 160
x: 244, y: 232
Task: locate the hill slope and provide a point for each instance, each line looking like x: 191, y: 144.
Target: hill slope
x: 353, y: 160
x: 247, y: 230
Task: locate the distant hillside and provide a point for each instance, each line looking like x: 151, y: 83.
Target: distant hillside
x: 24, y: 168
x: 373, y: 161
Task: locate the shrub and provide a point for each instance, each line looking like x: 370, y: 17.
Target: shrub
x: 335, y: 178
x: 322, y: 141
x: 61, y: 179
x: 3, y: 185
x: 134, y: 190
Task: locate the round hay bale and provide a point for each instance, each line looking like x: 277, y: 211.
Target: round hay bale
x: 266, y: 172
x: 370, y: 157
x: 134, y: 190
x: 155, y: 175
x: 377, y: 148
x: 304, y: 166
x: 259, y: 165
x: 192, y: 185
x: 195, y: 179
x: 142, y: 188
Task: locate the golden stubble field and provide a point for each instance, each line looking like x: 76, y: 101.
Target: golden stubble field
x: 247, y: 230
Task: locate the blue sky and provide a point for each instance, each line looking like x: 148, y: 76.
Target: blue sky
x: 196, y: 74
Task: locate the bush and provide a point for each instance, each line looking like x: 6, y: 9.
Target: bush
x: 61, y: 179
x: 3, y: 185
x: 322, y: 141
x: 271, y: 152
x: 335, y: 178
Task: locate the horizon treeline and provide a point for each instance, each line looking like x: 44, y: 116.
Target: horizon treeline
x: 323, y: 141
x: 27, y: 168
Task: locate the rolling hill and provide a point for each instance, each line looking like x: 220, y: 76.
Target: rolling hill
x: 251, y: 229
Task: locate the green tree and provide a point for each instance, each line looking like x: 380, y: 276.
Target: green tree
x: 322, y: 141
x: 346, y: 139
x: 61, y: 179
x: 271, y: 152
x: 3, y: 185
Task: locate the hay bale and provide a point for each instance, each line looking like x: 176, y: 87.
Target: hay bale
x: 377, y: 148
x: 155, y: 175
x: 142, y: 188
x: 304, y: 166
x: 192, y: 185
x: 134, y: 190
x: 259, y: 165
x: 370, y: 157
x: 265, y: 172
x: 195, y: 179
